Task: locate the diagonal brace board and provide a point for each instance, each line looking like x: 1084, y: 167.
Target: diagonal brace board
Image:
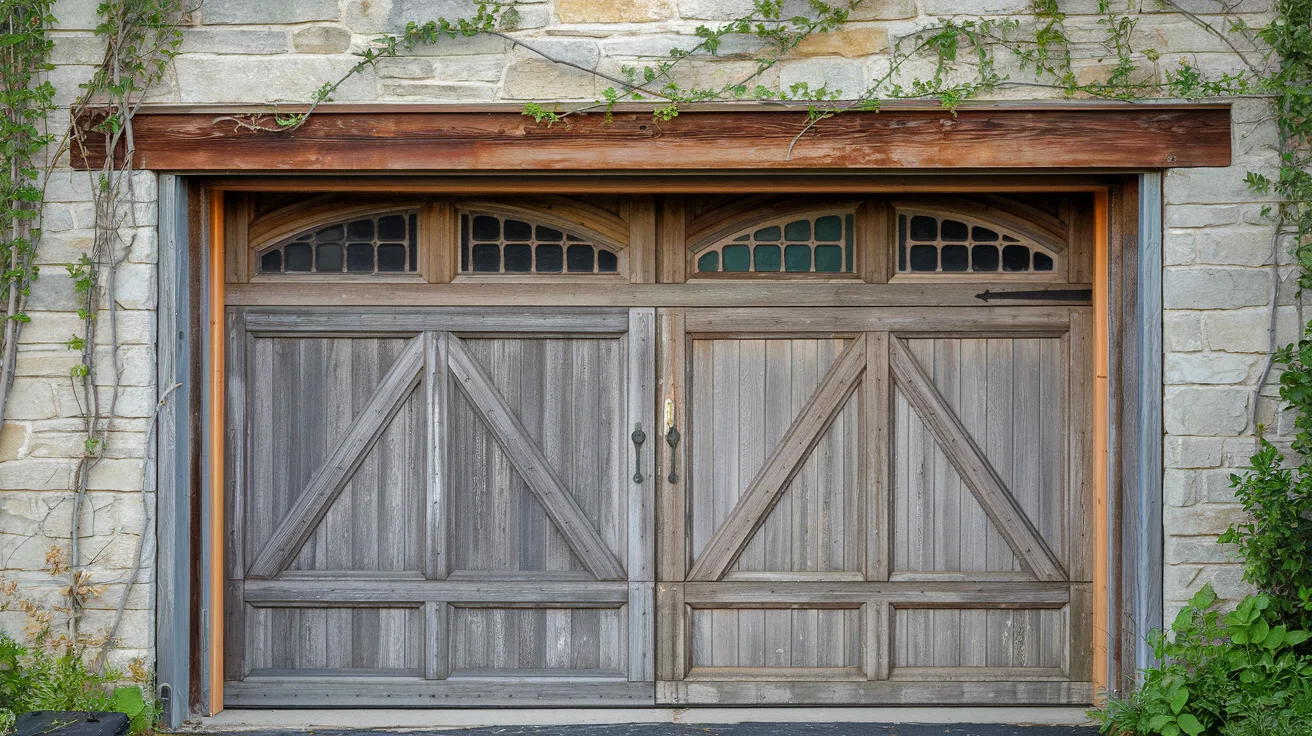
x: 532, y: 465
x: 340, y: 463
x: 783, y: 464
x: 975, y: 469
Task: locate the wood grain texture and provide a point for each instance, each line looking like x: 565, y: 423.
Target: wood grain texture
x: 825, y: 692
x: 778, y: 470
x: 976, y: 471
x: 532, y: 465
x: 341, y: 139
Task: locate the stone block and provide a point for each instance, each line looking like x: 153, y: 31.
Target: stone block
x: 1182, y: 331
x: 1194, y: 452
x: 1216, y: 288
x: 463, y: 46
x: 112, y: 474
x: 1211, y: 368
x: 31, y: 398
x: 227, y: 41
x: 539, y: 79
x: 614, y: 11
x: 263, y: 12
x: 1208, y: 411
x: 938, y: 8
x: 1198, y: 550
x: 850, y: 42
x: 70, y: 48
x: 1238, y: 330
x: 527, y: 17
x: 405, y: 67
x: 460, y: 69
x: 321, y: 40
x: 884, y: 10
x: 135, y: 286
x: 204, y: 78
x: 437, y: 91
x: 836, y: 74
x: 63, y: 247
x: 1206, y: 186
x: 75, y: 15
x: 37, y: 474
x: 1186, y: 215
x: 1179, y: 487
x: 1182, y: 581
x: 1179, y: 247
x: 583, y: 52
x: 391, y: 16
x: 1201, y: 519
x: 1239, y: 245
x: 13, y: 441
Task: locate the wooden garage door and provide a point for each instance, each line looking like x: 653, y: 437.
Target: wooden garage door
x: 881, y: 505
x: 439, y: 507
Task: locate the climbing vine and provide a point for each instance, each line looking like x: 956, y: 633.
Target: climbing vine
x: 951, y: 61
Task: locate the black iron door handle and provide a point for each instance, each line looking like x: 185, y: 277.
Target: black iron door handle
x: 638, y: 438
x: 672, y: 439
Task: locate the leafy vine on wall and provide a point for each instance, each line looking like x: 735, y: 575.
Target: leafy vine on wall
x: 965, y: 58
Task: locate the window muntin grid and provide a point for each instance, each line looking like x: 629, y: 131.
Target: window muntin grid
x: 931, y: 243
x: 378, y: 244
x: 818, y: 243
x: 497, y: 244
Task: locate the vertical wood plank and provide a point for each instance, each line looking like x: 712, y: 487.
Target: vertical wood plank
x: 642, y: 239
x: 437, y: 504
x: 439, y: 242
x: 642, y: 631
x: 235, y: 491
x: 671, y: 517
x: 437, y: 658
x: 216, y: 441
x: 877, y: 484
x: 642, y: 412
x: 236, y: 218
x: 671, y: 242
x: 671, y: 632
x: 873, y: 240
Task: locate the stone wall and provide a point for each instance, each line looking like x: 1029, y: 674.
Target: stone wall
x: 1219, y: 275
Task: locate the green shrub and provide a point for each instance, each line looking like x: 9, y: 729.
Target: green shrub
x: 1231, y: 674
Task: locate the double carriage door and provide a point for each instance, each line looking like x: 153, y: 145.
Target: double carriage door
x: 437, y: 507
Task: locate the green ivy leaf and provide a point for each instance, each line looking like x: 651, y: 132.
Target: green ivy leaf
x: 1178, y: 700
x: 129, y: 700
x: 1190, y: 725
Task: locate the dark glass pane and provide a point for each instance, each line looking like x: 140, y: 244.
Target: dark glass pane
x: 414, y: 245
x: 300, y: 256
x: 1015, y: 258
x: 1009, y: 239
x: 391, y: 257
x: 767, y: 235
x: 924, y: 228
x: 737, y: 258
x: 709, y: 262
x: 330, y: 234
x: 829, y: 228
x: 573, y: 238
x: 828, y: 258
x: 518, y: 230
x: 464, y: 242
x: 901, y: 242
x: 955, y: 231
x: 360, y: 230
x: 797, y: 258
x: 551, y: 257
x: 391, y: 227
x: 305, y: 236
x: 486, y: 228
x: 924, y: 257
x: 1042, y: 261
x: 767, y: 257
x: 984, y: 258
x: 487, y: 257
x: 271, y: 262
x: 983, y: 235
x: 549, y: 235
x: 360, y: 257
x: 955, y: 258
x: 519, y: 256
x: 742, y: 238
x: 579, y: 258
x: 847, y: 235
x: 607, y: 261
x: 797, y: 230
x: 328, y: 257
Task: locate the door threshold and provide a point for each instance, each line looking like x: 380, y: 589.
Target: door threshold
x: 237, y: 720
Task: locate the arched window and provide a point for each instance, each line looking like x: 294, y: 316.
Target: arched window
x: 495, y: 243
x: 382, y: 243
x: 817, y: 242
x: 945, y: 243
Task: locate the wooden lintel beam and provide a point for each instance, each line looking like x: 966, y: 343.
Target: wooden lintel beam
x: 1131, y: 136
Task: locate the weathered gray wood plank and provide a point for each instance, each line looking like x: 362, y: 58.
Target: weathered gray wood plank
x: 412, y: 320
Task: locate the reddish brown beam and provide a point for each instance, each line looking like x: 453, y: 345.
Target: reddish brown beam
x: 1074, y: 136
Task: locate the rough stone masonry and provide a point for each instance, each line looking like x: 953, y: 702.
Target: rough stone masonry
x: 1222, y: 269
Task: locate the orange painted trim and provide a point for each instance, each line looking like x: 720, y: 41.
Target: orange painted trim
x: 1101, y: 527
x: 216, y: 453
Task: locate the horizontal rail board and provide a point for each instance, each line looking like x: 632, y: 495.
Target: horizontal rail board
x: 450, y: 319
x: 912, y: 595
x: 345, y: 139
x: 347, y: 592
x: 394, y: 692
x: 1013, y: 693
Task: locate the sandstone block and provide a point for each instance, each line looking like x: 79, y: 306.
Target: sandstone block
x: 614, y: 11
x: 13, y: 441
x: 322, y: 40
x: 539, y: 79
x: 849, y: 42
x: 1208, y: 411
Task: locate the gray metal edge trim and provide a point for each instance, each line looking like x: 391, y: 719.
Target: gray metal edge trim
x: 1148, y: 606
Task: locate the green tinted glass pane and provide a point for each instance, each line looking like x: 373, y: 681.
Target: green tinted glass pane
x: 798, y: 230
x: 797, y: 258
x: 737, y: 258
x: 829, y: 228
x: 767, y: 257
x: 709, y: 262
x: 847, y: 233
x: 742, y: 238
x: 767, y: 234
x: 901, y: 242
x: 828, y: 258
